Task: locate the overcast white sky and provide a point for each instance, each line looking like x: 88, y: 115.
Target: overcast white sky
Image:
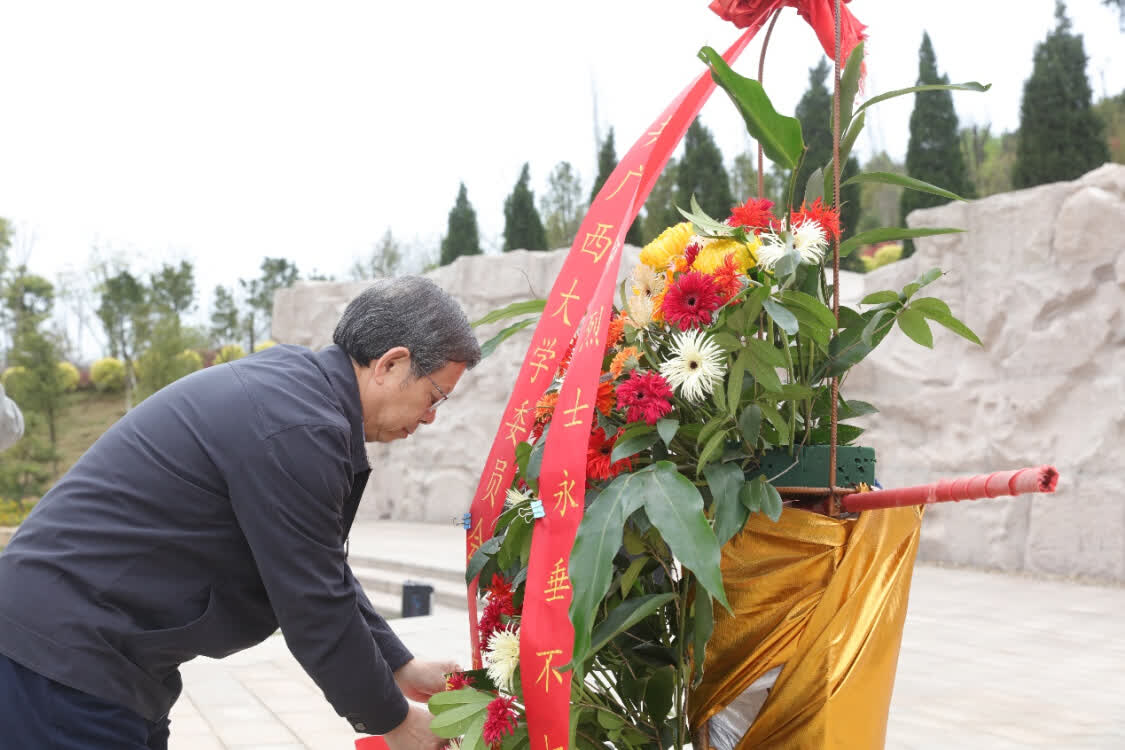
x: 222, y: 132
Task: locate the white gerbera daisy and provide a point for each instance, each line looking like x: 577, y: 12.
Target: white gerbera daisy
x: 504, y: 657
x: 453, y: 745
x: 810, y: 240
x: 640, y: 310
x: 698, y: 365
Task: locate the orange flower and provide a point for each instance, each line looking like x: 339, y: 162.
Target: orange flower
x: 607, y: 397
x: 728, y: 278
x: 616, y: 331
x: 545, y: 407
x: 623, y: 357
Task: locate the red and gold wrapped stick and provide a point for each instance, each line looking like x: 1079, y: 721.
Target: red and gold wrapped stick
x: 997, y: 484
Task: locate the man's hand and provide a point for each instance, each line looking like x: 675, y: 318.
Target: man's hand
x: 418, y: 680
x: 414, y: 732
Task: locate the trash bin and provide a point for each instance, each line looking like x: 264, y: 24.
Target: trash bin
x: 416, y: 598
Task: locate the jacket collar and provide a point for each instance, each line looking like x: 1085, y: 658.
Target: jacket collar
x: 341, y: 375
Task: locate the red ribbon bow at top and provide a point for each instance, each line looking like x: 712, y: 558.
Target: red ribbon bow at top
x: 747, y: 13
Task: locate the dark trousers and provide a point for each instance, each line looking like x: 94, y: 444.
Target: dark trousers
x: 37, y: 713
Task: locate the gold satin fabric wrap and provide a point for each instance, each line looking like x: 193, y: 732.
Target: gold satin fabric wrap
x: 827, y: 598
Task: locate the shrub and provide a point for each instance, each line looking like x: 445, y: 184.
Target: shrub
x: 882, y: 255
x: 229, y: 353
x: 265, y: 345
x: 70, y: 376
x: 108, y: 374
x: 189, y: 360
x: 12, y: 375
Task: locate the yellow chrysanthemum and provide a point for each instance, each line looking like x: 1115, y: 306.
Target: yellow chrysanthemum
x: 713, y: 252
x: 671, y: 242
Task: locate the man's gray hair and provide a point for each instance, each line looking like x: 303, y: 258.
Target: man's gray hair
x: 409, y: 311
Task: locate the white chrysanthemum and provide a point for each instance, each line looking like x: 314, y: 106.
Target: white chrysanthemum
x: 504, y: 657
x: 771, y: 250
x: 697, y: 366
x: 453, y: 745
x: 647, y: 282
x: 640, y: 310
x: 810, y: 240
x: 514, y: 497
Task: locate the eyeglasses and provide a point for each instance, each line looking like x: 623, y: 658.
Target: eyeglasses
x: 440, y: 401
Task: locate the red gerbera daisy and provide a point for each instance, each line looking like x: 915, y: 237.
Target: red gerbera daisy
x: 691, y: 300
x: 501, y: 720
x: 458, y: 680
x: 755, y: 214
x: 598, y: 465
x: 728, y: 279
x: 645, y: 395
x: 828, y: 218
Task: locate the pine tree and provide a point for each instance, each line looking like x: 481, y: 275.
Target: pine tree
x: 523, y: 229
x: 1061, y: 137
x: 660, y: 208
x: 933, y: 153
x: 461, y: 234
x: 814, y: 110
x: 701, y: 173
x: 607, y: 162
x: 562, y: 205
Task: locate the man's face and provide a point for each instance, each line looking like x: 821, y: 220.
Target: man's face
x: 395, y: 403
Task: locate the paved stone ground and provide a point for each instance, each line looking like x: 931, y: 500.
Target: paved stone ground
x: 988, y: 662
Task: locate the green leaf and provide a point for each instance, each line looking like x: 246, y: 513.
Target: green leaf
x: 931, y: 307
x: 750, y: 422
x: 872, y: 326
x: 924, y: 279
x: 779, y: 423
x: 771, y: 501
x: 523, y: 453
x: 675, y: 507
x: 901, y: 180
x: 816, y: 186
x: 518, y: 532
x: 879, y: 298
x: 625, y: 616
x: 481, y: 557
x: 725, y: 480
x: 658, y: 695
x: 535, y: 460
x: 703, y: 222
x: 702, y: 628
x: 785, y: 319
x: 914, y: 325
x: 779, y: 136
x: 846, y: 434
x: 455, y: 721
x: 887, y: 234
x: 439, y: 702
x: 734, y: 381
x: 727, y: 341
x: 490, y: 346
x: 957, y: 327
x: 512, y: 310
x: 667, y: 428
x: 625, y: 448
x: 711, y: 450
x: 709, y: 429
x: 820, y: 311
x: 751, y: 495
x: 474, y: 735
x: 629, y: 577
x: 970, y: 86
x: 599, y: 538
x: 849, y: 84
x: 846, y: 143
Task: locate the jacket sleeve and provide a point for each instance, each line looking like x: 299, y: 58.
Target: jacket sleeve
x: 289, y: 507
x: 394, y: 651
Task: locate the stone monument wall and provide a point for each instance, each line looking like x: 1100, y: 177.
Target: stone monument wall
x: 1039, y: 275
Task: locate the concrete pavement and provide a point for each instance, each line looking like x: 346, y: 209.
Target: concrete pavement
x: 988, y: 661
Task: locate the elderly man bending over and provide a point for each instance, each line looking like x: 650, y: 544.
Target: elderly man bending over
x: 215, y: 512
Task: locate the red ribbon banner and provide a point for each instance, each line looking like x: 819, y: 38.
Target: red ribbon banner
x: 546, y: 632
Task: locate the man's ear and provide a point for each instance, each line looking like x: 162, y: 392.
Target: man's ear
x: 392, y: 365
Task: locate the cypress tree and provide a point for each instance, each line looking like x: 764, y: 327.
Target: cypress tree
x: 815, y: 113
x: 523, y: 229
x: 1061, y: 137
x: 461, y: 235
x: 933, y: 153
x: 607, y: 162
x: 701, y: 173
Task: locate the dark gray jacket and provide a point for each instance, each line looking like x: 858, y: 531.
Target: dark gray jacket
x: 211, y: 514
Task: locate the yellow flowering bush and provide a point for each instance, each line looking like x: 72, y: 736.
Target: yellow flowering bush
x: 229, y: 353
x: 108, y: 374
